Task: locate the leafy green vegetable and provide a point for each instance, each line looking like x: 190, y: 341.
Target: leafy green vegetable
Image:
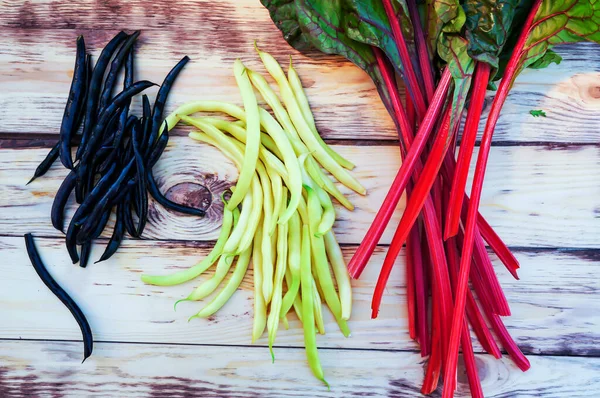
x: 487, y: 26
x: 284, y: 15
x: 548, y: 58
x: 537, y: 113
x: 453, y: 49
x: 560, y: 22
x: 367, y: 22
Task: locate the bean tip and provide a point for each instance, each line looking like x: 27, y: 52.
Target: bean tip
x: 192, y: 317
x: 179, y: 301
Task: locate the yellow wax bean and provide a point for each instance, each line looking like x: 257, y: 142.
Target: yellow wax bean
x: 308, y: 315
x: 231, y: 286
x: 336, y: 259
x: 294, y: 249
x: 303, y: 129
x: 192, y: 272
x: 252, y: 133
x: 298, y: 90
x: 260, y: 307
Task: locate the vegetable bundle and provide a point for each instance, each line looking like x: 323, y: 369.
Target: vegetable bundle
x: 116, y: 151
x: 447, y: 53
x: 286, y: 216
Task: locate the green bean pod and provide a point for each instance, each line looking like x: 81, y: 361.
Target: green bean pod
x: 180, y: 277
x: 231, y: 286
x: 260, y: 307
x: 293, y: 256
x: 239, y: 239
x: 210, y: 285
x: 318, y: 308
x: 336, y: 259
x: 276, y: 300
x: 283, y: 118
x: 306, y: 283
x: 328, y: 218
x: 289, y: 159
x: 303, y: 129
x: 277, y: 186
x: 272, y: 100
x: 239, y: 132
x: 321, y: 263
x: 252, y: 132
x: 268, y: 266
x: 297, y: 304
x: 298, y: 90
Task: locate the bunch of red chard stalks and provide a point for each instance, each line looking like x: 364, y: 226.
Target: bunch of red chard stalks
x: 448, y: 53
x: 112, y: 169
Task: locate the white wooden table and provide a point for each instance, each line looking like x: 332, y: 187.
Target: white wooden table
x: 542, y: 194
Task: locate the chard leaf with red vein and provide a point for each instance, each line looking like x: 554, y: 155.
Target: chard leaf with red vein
x: 285, y: 16
x: 549, y: 58
x: 561, y: 22
x: 319, y: 24
x: 487, y: 27
x: 367, y: 22
x: 442, y: 15
x: 452, y: 48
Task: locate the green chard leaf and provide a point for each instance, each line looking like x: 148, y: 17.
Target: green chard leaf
x: 367, y: 22
x: 442, y: 15
x: 549, y: 58
x: 284, y: 15
x: 452, y: 48
x: 319, y: 24
x: 488, y: 24
x: 561, y: 22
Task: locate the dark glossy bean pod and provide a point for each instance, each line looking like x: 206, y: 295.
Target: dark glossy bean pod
x: 40, y: 269
x: 128, y: 219
x: 96, y: 136
x: 158, y: 148
x: 95, y: 85
x: 115, y: 67
x: 86, y: 249
x: 160, y: 198
x: 96, y: 194
x: 77, y: 94
x: 141, y: 194
x: 102, y: 224
x: 116, y: 238
x: 125, y: 191
x: 161, y: 98
x: 87, y: 227
x: 147, y: 125
x: 71, y: 241
x: 46, y: 163
x: 123, y: 129
x: 60, y: 200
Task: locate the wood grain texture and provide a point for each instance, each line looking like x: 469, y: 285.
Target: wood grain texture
x: 53, y: 368
x: 541, y: 194
x: 533, y: 196
x: 552, y: 305
x: 37, y: 67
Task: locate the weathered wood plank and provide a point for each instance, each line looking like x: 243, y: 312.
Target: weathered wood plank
x: 37, y: 64
x: 553, y: 304
x: 34, y: 368
x: 533, y: 196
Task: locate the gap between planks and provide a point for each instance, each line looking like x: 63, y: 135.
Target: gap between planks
x: 276, y: 346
